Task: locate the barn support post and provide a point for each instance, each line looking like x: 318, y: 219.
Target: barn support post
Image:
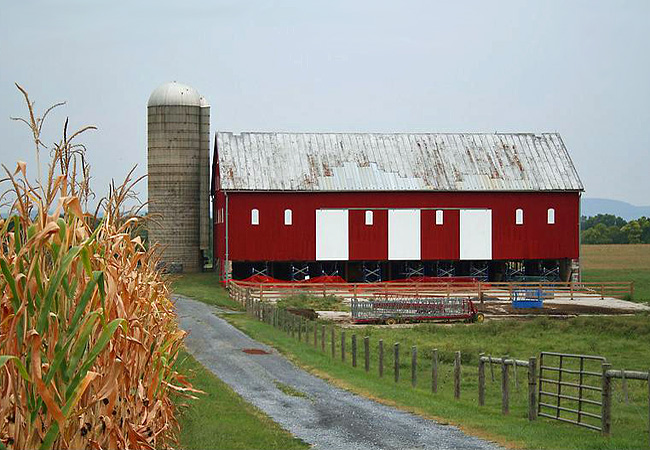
x: 532, y: 388
x: 414, y: 366
x: 396, y: 361
x: 343, y: 346
x: 434, y: 371
x: 457, y: 375
x: 354, y: 350
x: 505, y: 388
x: 366, y: 353
x: 606, y: 420
x: 481, y: 380
x: 381, y: 358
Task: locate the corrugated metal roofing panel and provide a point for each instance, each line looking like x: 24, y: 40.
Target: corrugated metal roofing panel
x: 389, y: 162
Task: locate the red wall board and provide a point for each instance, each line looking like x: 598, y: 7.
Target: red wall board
x: 368, y: 242
x: 271, y: 240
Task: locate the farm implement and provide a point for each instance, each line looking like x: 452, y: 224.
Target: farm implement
x: 400, y: 310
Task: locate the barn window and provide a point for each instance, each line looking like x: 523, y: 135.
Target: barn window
x: 255, y: 217
x: 369, y: 217
x: 288, y: 219
x: 439, y: 217
x: 550, y: 216
x: 519, y: 216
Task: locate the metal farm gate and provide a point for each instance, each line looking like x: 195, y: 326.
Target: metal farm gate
x: 570, y: 388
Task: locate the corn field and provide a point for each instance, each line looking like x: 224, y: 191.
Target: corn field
x: 88, y: 334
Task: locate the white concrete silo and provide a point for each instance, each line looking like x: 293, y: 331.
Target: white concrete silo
x: 178, y: 160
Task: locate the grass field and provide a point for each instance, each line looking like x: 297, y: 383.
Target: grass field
x: 622, y: 340
x: 201, y: 286
x: 619, y: 263
x: 222, y: 419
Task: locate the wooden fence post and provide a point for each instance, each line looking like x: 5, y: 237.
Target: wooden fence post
x: 457, y: 375
x: 315, y: 335
x: 434, y: 371
x: 366, y: 353
x: 505, y: 387
x: 322, y: 338
x: 342, y: 345
x: 300, y: 325
x: 414, y: 366
x: 481, y: 380
x: 606, y: 423
x: 532, y: 388
x: 381, y: 358
x: 333, y: 343
x: 396, y: 360
x: 354, y: 350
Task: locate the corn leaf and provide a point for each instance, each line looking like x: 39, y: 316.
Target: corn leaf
x: 4, y: 359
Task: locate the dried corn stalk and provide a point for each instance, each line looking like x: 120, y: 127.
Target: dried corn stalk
x: 88, y: 336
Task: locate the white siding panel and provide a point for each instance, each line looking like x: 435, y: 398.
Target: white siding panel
x: 404, y: 234
x: 476, y: 234
x: 332, y: 235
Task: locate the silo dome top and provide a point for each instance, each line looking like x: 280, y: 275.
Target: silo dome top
x: 174, y: 94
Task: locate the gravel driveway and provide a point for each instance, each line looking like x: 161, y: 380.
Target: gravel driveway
x: 326, y: 417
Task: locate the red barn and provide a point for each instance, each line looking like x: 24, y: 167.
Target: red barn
x: 372, y: 207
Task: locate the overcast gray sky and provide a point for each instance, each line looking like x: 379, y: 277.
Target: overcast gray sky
x: 580, y: 68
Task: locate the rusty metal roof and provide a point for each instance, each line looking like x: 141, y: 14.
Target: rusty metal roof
x: 394, y: 162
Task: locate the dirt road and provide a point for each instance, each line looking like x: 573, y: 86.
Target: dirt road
x: 313, y: 410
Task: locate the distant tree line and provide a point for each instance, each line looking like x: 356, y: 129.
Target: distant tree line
x: 611, y: 229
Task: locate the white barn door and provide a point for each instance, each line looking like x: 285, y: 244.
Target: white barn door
x: 332, y: 235
x: 404, y: 234
x: 476, y: 234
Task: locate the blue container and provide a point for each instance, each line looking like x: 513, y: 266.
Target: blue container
x: 528, y: 298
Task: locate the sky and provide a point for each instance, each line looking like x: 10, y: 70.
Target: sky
x: 581, y: 68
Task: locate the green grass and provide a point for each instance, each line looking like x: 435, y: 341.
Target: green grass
x: 289, y: 390
x: 623, y: 340
x: 204, y: 287
x: 619, y: 263
x: 326, y: 303
x: 641, y: 278
x: 222, y: 419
